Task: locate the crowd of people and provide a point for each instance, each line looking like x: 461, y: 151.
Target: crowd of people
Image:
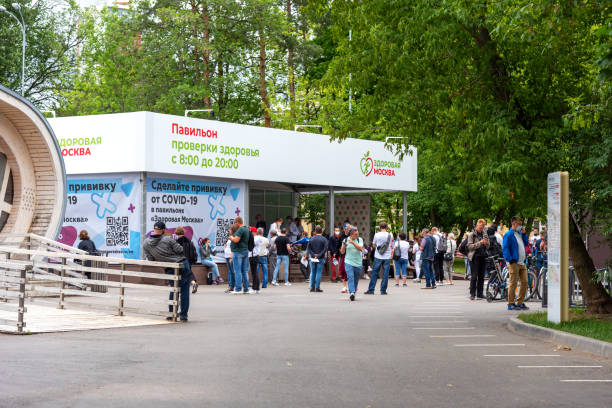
x: 263, y: 250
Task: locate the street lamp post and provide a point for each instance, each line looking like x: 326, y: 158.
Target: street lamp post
x: 21, y: 22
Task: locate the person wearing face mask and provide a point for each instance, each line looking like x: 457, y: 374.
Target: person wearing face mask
x: 332, y: 251
x: 514, y: 249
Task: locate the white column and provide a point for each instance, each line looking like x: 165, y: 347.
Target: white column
x: 331, y: 211
x: 404, y: 214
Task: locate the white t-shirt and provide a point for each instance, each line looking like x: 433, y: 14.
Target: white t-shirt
x: 437, y: 239
x: 404, y: 248
x: 380, y: 238
x: 261, y: 245
x: 228, y: 251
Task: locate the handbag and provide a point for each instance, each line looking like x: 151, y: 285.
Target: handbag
x: 397, y: 252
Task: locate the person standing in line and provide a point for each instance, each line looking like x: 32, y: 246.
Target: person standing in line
x: 341, y: 266
x: 401, y: 264
x: 300, y: 228
x: 231, y: 276
x: 189, y: 251
x: 428, y: 244
x: 260, y: 223
x: 206, y: 251
x: 275, y: 226
x: 283, y: 247
x: 477, y: 245
x: 292, y: 230
x: 332, y: 251
x: 449, y: 257
x: 88, y: 246
x: 382, y: 259
x: 439, y: 255
x: 162, y: 248
x: 272, y: 251
x: 416, y: 250
x: 240, y: 256
x: 316, y: 250
x: 300, y: 247
x: 253, y: 255
x: 263, y: 246
x: 352, y: 248
x: 514, y: 244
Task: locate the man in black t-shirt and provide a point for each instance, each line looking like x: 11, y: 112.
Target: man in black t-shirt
x: 283, y: 246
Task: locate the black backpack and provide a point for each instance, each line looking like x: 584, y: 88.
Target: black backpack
x: 462, y: 248
x: 251, y: 243
x: 189, y: 251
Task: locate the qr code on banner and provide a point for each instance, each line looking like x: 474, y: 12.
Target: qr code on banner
x: 223, y: 226
x: 117, y: 231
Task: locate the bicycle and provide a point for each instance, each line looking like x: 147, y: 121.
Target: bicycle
x: 497, y: 287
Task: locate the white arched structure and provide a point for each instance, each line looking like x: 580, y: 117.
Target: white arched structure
x: 32, y: 175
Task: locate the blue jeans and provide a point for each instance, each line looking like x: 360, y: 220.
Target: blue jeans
x: 430, y: 280
x: 316, y: 269
x: 213, y: 267
x: 231, y: 276
x: 184, y: 286
x: 263, y: 264
x: 400, y: 266
x: 352, y: 275
x: 285, y: 260
x: 384, y: 278
x: 241, y: 269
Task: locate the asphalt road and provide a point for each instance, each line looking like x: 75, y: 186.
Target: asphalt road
x: 289, y: 348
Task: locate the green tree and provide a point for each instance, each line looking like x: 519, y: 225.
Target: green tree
x: 52, y: 41
x: 481, y: 87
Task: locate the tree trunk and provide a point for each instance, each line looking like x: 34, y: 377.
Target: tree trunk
x: 221, y: 93
x: 291, y: 70
x: 206, y: 75
x: 498, y: 217
x: 263, y: 92
x: 596, y: 298
x: 432, y: 217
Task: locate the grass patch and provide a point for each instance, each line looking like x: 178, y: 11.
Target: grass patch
x: 459, y: 266
x: 595, y: 326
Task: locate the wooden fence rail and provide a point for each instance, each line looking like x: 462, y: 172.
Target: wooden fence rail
x: 27, y: 273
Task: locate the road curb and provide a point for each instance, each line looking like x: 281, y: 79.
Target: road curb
x: 581, y: 343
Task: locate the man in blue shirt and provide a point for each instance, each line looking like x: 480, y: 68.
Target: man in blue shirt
x: 513, y: 248
x: 428, y: 244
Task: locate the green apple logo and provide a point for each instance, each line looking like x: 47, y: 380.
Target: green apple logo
x: 366, y: 164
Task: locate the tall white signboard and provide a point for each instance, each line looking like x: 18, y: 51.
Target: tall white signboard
x: 557, y: 247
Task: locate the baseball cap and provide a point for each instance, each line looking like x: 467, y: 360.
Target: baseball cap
x: 160, y: 225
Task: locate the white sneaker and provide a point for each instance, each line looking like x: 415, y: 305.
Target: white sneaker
x: 344, y: 290
x: 251, y: 291
x: 236, y: 292
x: 274, y: 283
x: 287, y: 283
x: 365, y: 275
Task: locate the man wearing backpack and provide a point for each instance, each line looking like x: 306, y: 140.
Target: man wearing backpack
x: 189, y: 251
x: 428, y: 244
x: 382, y: 259
x: 477, y: 245
x: 441, y: 246
x: 240, y: 255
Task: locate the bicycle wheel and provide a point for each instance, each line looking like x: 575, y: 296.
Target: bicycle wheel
x: 541, y: 282
x: 493, y: 287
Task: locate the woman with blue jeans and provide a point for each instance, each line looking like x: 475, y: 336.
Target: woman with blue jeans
x: 352, y: 248
x: 401, y: 264
x: 206, y: 258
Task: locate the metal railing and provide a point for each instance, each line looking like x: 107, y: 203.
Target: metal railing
x: 59, y: 270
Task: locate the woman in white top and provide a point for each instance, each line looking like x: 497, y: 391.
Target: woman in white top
x: 449, y: 258
x: 401, y: 264
x: 416, y: 250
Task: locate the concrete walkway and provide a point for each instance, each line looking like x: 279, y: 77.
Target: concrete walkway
x: 287, y: 347
x: 49, y: 319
